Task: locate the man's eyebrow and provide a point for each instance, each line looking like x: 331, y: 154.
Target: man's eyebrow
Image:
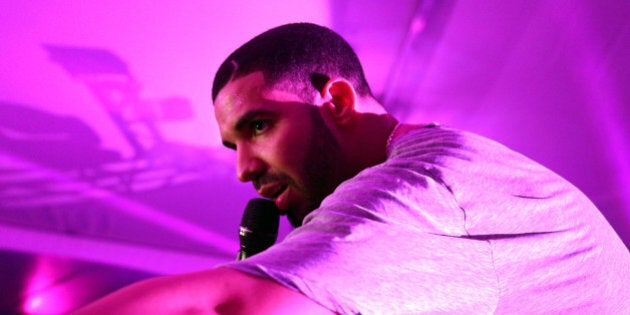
x: 249, y: 116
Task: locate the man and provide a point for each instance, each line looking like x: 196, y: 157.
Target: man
x: 390, y: 218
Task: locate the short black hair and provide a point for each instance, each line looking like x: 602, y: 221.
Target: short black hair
x: 301, y: 56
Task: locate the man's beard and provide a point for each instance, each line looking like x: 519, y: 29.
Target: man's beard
x: 321, y: 167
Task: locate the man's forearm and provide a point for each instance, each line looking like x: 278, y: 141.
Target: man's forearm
x: 214, y: 291
x: 162, y: 295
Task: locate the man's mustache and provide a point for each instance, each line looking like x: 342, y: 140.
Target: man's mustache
x: 271, y: 178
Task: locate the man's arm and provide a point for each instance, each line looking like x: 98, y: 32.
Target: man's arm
x: 215, y: 291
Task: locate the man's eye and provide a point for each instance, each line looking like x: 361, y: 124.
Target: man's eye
x: 259, y: 126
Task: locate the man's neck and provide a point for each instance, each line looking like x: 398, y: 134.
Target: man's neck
x: 367, y: 143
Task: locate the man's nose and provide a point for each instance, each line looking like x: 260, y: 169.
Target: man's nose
x: 248, y: 165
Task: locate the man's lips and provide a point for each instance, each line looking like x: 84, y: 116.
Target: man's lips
x: 282, y: 200
x: 273, y: 191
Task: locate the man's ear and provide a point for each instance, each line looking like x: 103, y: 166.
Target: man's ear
x: 340, y: 99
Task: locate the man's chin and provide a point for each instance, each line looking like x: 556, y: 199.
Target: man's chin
x: 296, y: 215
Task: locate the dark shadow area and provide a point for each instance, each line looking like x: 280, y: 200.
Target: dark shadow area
x: 108, y: 78
x: 49, y: 154
x: 59, y: 142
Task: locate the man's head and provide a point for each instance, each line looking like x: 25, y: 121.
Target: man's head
x: 287, y: 102
x: 298, y: 58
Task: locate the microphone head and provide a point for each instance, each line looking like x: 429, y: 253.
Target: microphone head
x: 259, y: 227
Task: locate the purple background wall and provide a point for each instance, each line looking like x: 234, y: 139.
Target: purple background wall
x: 111, y: 169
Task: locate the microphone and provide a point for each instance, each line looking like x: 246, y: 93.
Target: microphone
x: 259, y: 227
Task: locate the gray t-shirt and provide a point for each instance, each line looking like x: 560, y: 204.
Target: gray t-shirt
x: 453, y: 223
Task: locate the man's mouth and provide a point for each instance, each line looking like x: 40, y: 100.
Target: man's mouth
x: 277, y: 192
